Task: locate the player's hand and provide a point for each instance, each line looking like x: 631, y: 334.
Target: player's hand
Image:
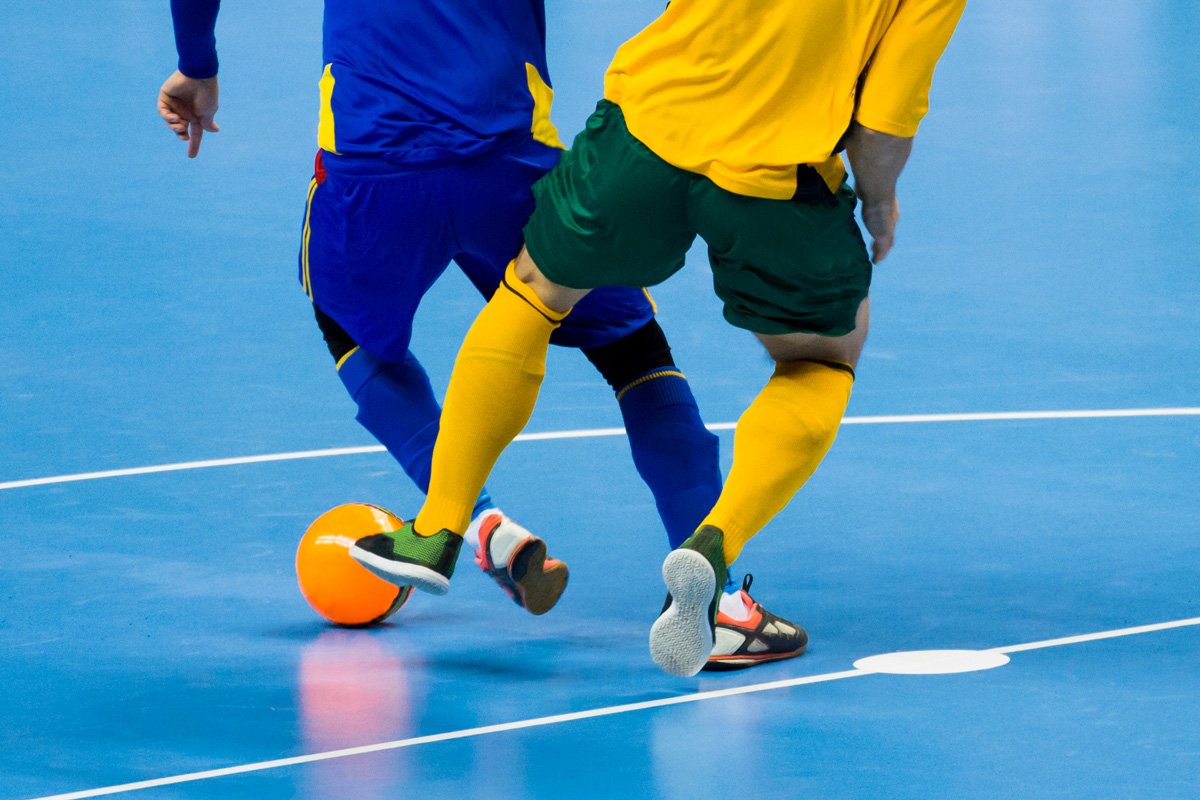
x: 877, y: 159
x: 188, y: 105
x: 881, y: 217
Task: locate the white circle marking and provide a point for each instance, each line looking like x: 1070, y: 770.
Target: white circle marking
x: 931, y: 662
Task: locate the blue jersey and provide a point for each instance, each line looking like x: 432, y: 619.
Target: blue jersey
x: 423, y: 82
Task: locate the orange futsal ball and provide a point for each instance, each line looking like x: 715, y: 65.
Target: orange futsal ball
x: 338, y: 587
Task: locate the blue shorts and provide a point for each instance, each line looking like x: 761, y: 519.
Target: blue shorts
x: 376, y: 237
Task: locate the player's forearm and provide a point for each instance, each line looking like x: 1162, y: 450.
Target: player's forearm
x: 195, y: 39
x: 877, y: 159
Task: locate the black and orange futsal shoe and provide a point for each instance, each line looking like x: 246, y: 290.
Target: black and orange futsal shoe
x: 516, y: 560
x: 761, y: 638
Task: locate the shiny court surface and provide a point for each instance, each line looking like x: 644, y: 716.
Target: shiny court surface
x: 150, y: 624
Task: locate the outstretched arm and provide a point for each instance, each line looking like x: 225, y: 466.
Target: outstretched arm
x: 877, y: 159
x: 187, y: 101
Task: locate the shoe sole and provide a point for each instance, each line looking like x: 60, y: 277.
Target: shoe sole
x: 539, y: 587
x: 402, y: 573
x: 681, y: 638
x: 731, y: 663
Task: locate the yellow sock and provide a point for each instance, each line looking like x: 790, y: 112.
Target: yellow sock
x: 491, y: 394
x: 780, y: 440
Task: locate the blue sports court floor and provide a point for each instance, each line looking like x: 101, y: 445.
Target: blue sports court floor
x: 150, y: 624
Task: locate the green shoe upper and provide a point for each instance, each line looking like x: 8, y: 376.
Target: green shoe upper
x: 438, y: 552
x: 709, y: 542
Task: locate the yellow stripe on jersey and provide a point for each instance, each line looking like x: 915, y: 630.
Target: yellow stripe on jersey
x: 543, y: 96
x: 305, y: 279
x: 326, y: 139
x: 742, y: 91
x: 832, y: 171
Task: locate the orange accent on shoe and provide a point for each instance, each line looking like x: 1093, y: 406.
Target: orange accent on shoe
x: 750, y: 622
x: 486, y: 529
x: 756, y: 658
x: 542, y: 578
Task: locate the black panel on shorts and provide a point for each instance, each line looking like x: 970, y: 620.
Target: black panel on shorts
x: 336, y: 339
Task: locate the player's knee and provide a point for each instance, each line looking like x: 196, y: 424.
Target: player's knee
x: 813, y: 347
x: 558, y: 298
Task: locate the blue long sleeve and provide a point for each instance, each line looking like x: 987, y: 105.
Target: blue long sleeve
x: 195, y: 37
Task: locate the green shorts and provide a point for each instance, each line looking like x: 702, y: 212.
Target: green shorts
x: 612, y: 213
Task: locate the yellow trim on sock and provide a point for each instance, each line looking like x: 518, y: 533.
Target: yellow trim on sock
x: 526, y: 293
x: 342, y: 360
x: 650, y: 377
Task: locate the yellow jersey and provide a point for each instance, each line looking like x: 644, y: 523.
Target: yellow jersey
x: 743, y: 91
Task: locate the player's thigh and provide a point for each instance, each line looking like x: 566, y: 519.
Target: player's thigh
x: 810, y: 346
x: 492, y: 199
x: 372, y: 248
x: 784, y: 266
x: 604, y: 316
x: 611, y: 213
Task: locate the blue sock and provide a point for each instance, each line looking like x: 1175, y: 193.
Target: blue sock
x: 396, y: 404
x: 674, y: 453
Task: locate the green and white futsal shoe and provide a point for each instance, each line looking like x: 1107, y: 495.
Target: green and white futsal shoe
x: 405, y: 558
x: 681, y: 639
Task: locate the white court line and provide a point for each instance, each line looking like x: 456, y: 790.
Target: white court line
x: 216, y: 462
x: 1092, y: 637
x: 587, y: 433
x: 463, y: 734
x: 571, y: 717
